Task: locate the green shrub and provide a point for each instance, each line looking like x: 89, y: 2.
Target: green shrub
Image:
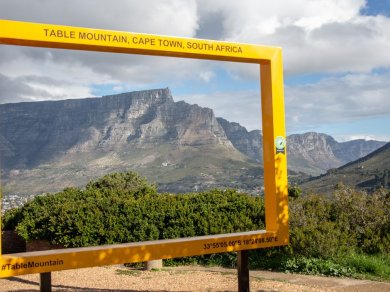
x: 365, y: 217
x: 315, y: 266
x: 294, y: 191
x: 122, y: 208
x: 313, y: 233
x: 342, y: 235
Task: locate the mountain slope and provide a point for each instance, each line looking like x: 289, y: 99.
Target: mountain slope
x: 311, y: 153
x: 355, y: 149
x: 49, y: 145
x: 34, y: 133
x: 249, y: 143
x: 52, y: 145
x: 368, y: 173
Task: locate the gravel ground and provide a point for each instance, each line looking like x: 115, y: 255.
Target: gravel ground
x: 188, y: 278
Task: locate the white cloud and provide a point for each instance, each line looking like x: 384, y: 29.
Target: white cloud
x: 170, y: 17
x: 207, y: 76
x: 84, y: 69
x: 326, y: 104
x: 363, y: 137
x: 55, y: 92
x: 360, y: 45
x: 33, y: 88
x: 317, y: 36
x: 334, y: 100
x: 239, y: 106
x: 250, y: 19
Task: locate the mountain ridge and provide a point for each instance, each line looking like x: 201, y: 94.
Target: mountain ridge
x: 56, y: 143
x: 368, y: 173
x: 312, y: 153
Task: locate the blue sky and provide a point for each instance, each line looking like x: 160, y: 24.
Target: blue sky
x: 336, y: 58
x: 375, y: 7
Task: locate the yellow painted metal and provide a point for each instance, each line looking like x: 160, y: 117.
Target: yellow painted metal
x: 63, y: 259
x: 1, y: 208
x: 273, y: 126
x: 77, y: 38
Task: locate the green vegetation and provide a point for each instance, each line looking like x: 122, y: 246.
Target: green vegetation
x: 186, y: 166
x: 368, y: 173
x: 347, y: 234
x: 123, y: 207
x: 134, y: 273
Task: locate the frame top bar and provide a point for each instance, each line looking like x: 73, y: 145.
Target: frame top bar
x: 68, y: 37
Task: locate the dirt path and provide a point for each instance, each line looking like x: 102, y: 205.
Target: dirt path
x: 188, y: 278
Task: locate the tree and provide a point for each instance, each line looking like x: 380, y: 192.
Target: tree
x: 126, y: 183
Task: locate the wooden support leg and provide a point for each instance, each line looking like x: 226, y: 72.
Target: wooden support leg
x: 45, y: 282
x: 243, y: 271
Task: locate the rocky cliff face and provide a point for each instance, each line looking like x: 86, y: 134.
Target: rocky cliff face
x: 33, y: 133
x: 315, y: 153
x: 311, y: 153
x: 368, y: 173
x: 355, y: 149
x: 249, y: 143
x: 55, y: 144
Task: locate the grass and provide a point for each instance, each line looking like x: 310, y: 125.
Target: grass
x: 134, y: 273
x: 373, y: 267
x: 353, y: 265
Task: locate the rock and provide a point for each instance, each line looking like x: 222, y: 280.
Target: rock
x: 155, y: 264
x: 49, y: 145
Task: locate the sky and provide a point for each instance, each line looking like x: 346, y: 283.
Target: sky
x: 336, y: 57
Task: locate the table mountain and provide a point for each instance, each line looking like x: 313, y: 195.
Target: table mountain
x: 49, y: 145
x: 53, y: 144
x: 37, y: 132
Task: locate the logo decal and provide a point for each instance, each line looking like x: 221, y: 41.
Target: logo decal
x: 280, y: 144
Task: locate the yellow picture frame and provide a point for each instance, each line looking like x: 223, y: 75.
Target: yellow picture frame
x: 276, y: 231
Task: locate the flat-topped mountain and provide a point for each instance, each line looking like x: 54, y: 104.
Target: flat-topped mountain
x: 49, y: 145
x: 37, y: 132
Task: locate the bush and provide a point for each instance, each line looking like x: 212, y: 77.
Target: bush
x: 294, y: 191
x: 122, y: 208
x: 365, y: 217
x: 315, y: 266
x: 126, y: 183
x: 347, y: 233
x: 313, y: 233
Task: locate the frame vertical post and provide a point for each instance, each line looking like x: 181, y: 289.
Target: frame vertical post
x: 243, y: 271
x: 275, y: 156
x: 45, y: 282
x: 1, y: 226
